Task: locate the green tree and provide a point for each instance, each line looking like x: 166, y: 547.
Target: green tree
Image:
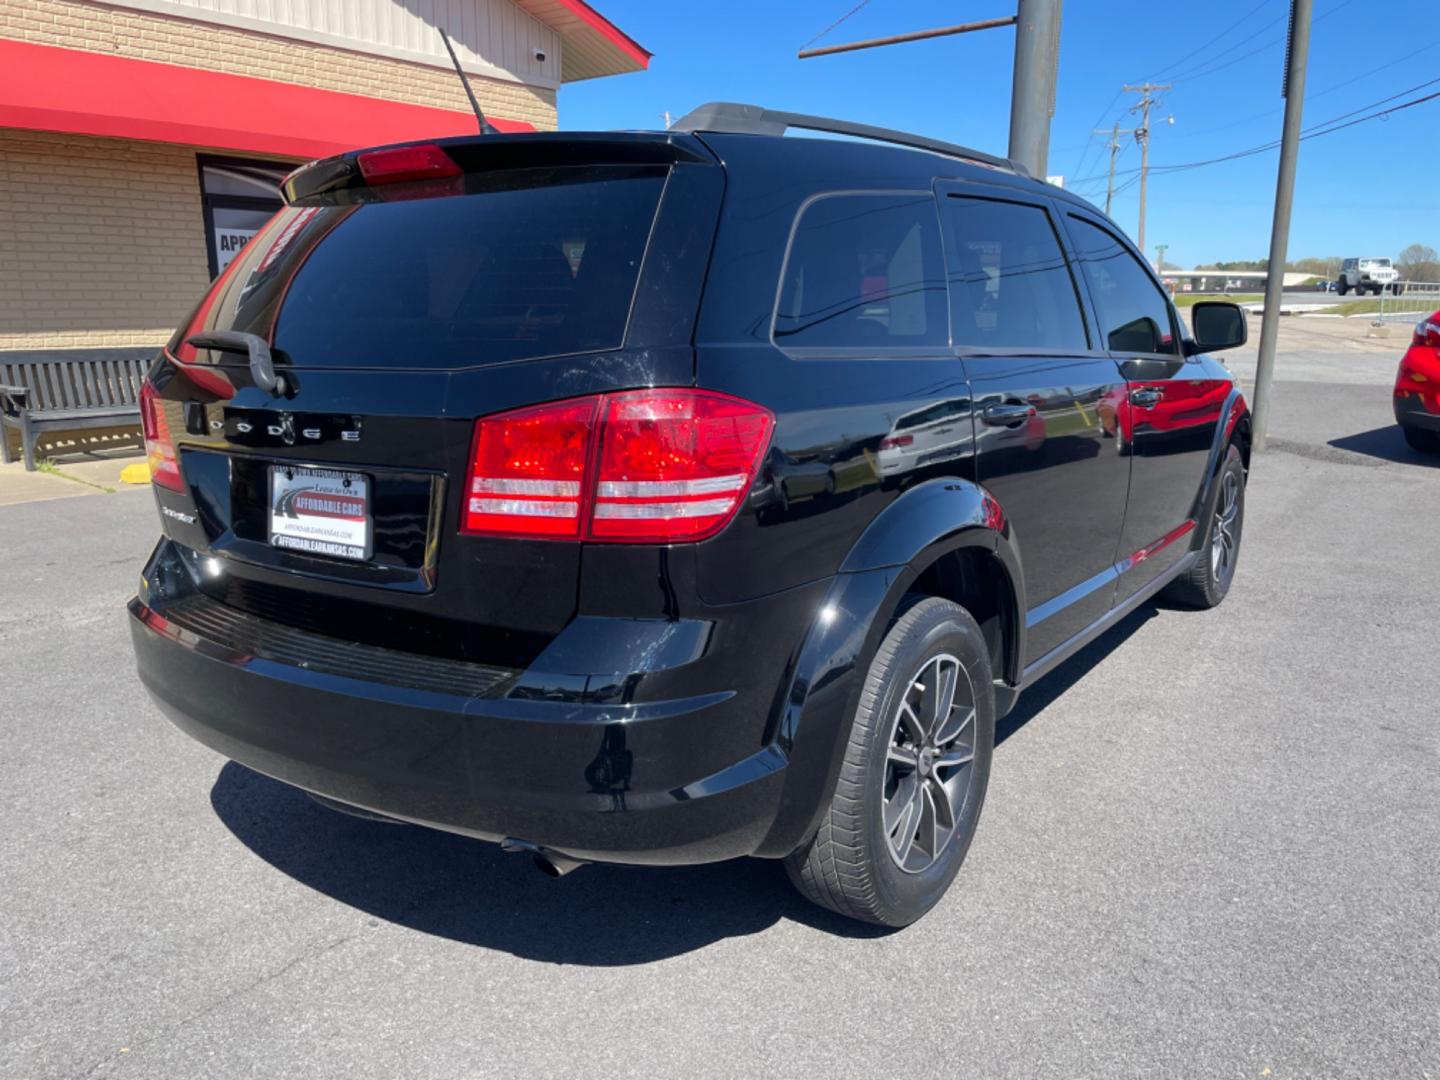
x: 1418, y: 262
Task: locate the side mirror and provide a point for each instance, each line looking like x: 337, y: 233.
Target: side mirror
x: 1216, y: 325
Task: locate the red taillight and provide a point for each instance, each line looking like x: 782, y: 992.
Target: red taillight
x: 1427, y: 332
x: 896, y: 442
x: 527, y: 471
x: 670, y: 465
x: 402, y: 164
x: 674, y: 464
x: 159, y: 446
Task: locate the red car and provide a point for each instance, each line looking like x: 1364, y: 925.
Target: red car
x: 1417, y: 388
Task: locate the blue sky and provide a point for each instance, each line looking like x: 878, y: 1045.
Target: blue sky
x: 1368, y: 190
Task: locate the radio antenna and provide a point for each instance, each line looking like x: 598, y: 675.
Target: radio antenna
x: 486, y: 128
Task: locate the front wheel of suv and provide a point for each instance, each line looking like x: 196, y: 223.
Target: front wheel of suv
x: 914, y: 774
x: 1207, y: 582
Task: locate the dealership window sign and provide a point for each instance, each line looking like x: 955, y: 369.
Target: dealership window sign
x: 228, y: 243
x: 238, y: 197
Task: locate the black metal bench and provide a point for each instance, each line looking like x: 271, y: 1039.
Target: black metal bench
x: 66, y: 392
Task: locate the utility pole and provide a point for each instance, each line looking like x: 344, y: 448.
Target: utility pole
x: 1114, y: 145
x: 1032, y: 92
x: 1142, y: 136
x: 1037, y: 52
x: 1297, y: 54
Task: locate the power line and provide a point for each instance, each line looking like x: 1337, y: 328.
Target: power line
x: 1085, y: 152
x: 1206, y: 68
x: 834, y: 24
x: 1313, y: 134
x: 1203, y: 70
x: 1322, y: 128
x: 1091, y: 142
x: 1223, y: 34
x: 1308, y: 97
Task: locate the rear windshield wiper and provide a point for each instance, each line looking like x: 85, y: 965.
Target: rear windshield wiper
x: 262, y: 367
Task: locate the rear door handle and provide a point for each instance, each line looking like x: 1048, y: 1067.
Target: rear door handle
x: 1147, y: 396
x: 1005, y: 415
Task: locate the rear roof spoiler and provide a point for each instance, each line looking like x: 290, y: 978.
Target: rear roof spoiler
x: 726, y: 116
x: 527, y: 150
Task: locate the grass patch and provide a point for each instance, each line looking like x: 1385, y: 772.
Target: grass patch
x: 1186, y: 299
x: 1368, y: 307
x: 46, y: 465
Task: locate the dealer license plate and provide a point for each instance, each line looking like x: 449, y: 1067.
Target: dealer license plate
x: 321, y: 511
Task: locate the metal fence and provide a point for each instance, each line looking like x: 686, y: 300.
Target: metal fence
x: 1417, y: 299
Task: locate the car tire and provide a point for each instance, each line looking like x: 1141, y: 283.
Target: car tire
x: 1422, y: 439
x: 1206, y: 583
x: 1342, y: 287
x: 893, y: 773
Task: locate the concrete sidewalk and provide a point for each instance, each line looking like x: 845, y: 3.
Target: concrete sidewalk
x: 70, y: 476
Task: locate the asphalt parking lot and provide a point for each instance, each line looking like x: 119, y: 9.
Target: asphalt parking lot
x: 1211, y: 849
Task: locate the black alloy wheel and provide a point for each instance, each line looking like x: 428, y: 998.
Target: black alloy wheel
x: 913, y: 779
x: 1207, y: 582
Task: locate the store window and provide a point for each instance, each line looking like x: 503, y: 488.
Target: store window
x: 239, y: 196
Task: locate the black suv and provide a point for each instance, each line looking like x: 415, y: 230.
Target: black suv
x: 662, y: 498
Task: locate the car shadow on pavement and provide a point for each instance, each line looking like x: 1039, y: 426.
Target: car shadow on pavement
x: 1387, y: 443
x: 1036, y: 699
x: 469, y: 891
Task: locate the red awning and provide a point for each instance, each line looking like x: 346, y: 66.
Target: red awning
x: 50, y: 89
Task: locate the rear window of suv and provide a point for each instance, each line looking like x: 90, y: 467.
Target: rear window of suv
x: 524, y: 264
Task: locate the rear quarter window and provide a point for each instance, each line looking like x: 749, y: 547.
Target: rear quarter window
x: 864, y: 271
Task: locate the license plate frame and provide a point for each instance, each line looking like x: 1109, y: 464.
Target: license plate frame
x: 306, y: 512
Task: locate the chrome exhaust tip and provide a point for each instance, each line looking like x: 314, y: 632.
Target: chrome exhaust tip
x: 550, y: 863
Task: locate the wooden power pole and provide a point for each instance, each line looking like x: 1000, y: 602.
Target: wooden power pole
x: 1114, y: 145
x: 1142, y: 136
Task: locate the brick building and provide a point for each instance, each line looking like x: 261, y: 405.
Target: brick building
x: 141, y: 140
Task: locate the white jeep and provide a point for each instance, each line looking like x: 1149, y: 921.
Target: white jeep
x: 1368, y: 275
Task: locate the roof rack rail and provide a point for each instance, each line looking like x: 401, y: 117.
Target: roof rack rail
x: 757, y: 120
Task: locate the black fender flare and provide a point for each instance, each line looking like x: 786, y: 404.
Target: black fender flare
x: 935, y: 518
x: 827, y: 674
x: 1234, y: 412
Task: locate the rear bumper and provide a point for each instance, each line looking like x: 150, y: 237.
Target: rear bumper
x: 680, y: 780
x: 1410, y: 411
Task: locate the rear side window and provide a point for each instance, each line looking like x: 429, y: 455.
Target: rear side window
x: 1009, y: 285
x: 864, y: 271
x: 1134, y: 313
x: 524, y: 264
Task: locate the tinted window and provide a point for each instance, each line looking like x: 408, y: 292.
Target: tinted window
x: 1134, y: 313
x: 1009, y: 285
x: 523, y: 265
x: 864, y: 271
